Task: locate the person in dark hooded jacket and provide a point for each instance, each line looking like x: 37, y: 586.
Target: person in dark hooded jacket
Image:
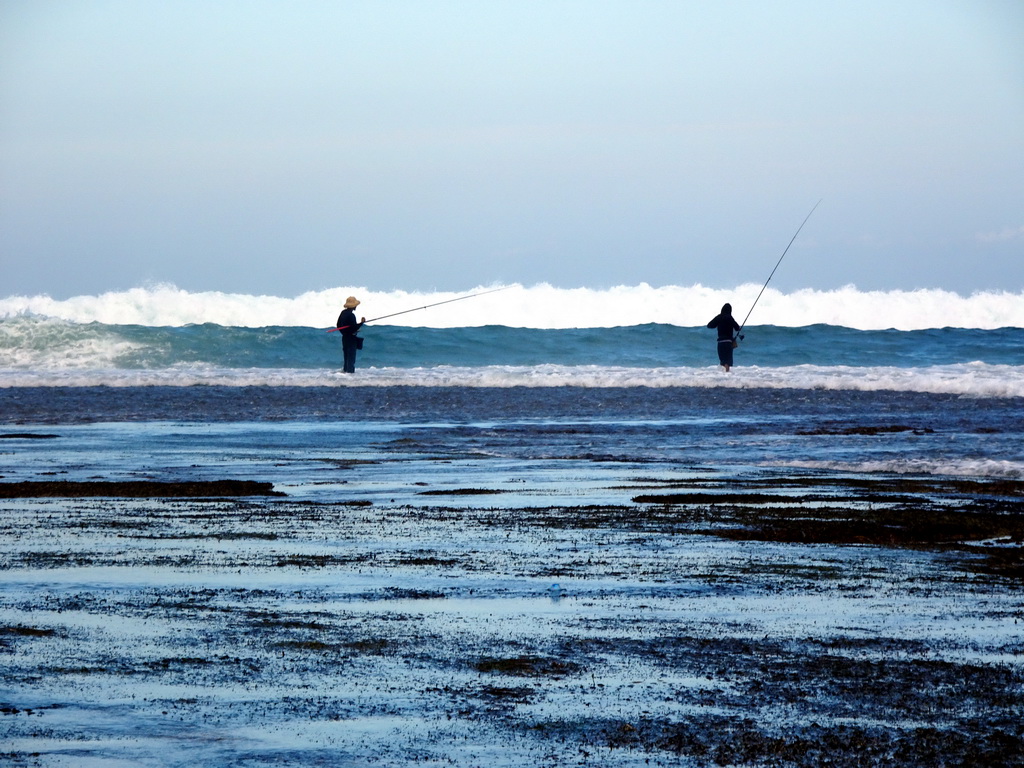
x: 726, y: 325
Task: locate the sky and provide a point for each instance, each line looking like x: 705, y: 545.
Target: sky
x: 274, y: 148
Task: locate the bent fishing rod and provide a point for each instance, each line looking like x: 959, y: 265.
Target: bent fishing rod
x: 738, y: 336
x: 428, y: 306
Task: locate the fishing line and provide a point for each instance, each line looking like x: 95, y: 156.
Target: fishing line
x: 776, y: 267
x: 428, y: 306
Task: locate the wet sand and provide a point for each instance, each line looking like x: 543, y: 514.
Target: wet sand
x: 776, y: 620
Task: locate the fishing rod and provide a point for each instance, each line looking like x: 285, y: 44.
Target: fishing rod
x: 773, y: 271
x: 428, y: 306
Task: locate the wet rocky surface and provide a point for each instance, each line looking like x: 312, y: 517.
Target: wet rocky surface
x: 797, y: 620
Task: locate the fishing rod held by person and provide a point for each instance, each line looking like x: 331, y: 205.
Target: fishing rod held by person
x: 739, y: 333
x: 428, y: 306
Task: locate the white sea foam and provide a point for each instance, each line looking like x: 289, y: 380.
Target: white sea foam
x: 539, y: 306
x: 969, y: 380
x: 50, y: 344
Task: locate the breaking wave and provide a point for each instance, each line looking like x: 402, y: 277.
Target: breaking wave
x: 538, y: 306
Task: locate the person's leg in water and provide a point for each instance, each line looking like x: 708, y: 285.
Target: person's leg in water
x: 725, y: 354
x: 348, y: 347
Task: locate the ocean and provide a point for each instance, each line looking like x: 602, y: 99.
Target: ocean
x: 536, y: 527
x: 638, y: 374
x: 925, y: 341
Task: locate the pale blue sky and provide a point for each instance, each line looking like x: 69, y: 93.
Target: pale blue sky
x: 280, y: 147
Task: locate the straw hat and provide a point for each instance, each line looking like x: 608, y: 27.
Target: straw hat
x: 351, y: 302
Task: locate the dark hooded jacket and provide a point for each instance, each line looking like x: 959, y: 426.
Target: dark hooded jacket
x: 725, y: 323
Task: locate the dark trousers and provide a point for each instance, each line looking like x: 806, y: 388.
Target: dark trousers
x: 725, y: 351
x: 348, y: 349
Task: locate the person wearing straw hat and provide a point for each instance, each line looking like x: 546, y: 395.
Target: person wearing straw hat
x: 348, y: 326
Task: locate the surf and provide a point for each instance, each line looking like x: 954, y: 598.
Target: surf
x: 540, y: 306
x: 967, y: 381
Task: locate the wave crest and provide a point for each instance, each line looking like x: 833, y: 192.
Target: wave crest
x: 539, y: 306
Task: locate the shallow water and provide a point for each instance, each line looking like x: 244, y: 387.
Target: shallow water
x: 534, y: 446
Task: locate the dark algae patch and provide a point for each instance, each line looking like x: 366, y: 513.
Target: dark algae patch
x: 461, y: 492
x: 981, y: 517
x: 817, y: 703
x: 717, y: 740
x: 135, y: 489
x: 834, y: 429
x: 816, y: 487
x: 527, y: 666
